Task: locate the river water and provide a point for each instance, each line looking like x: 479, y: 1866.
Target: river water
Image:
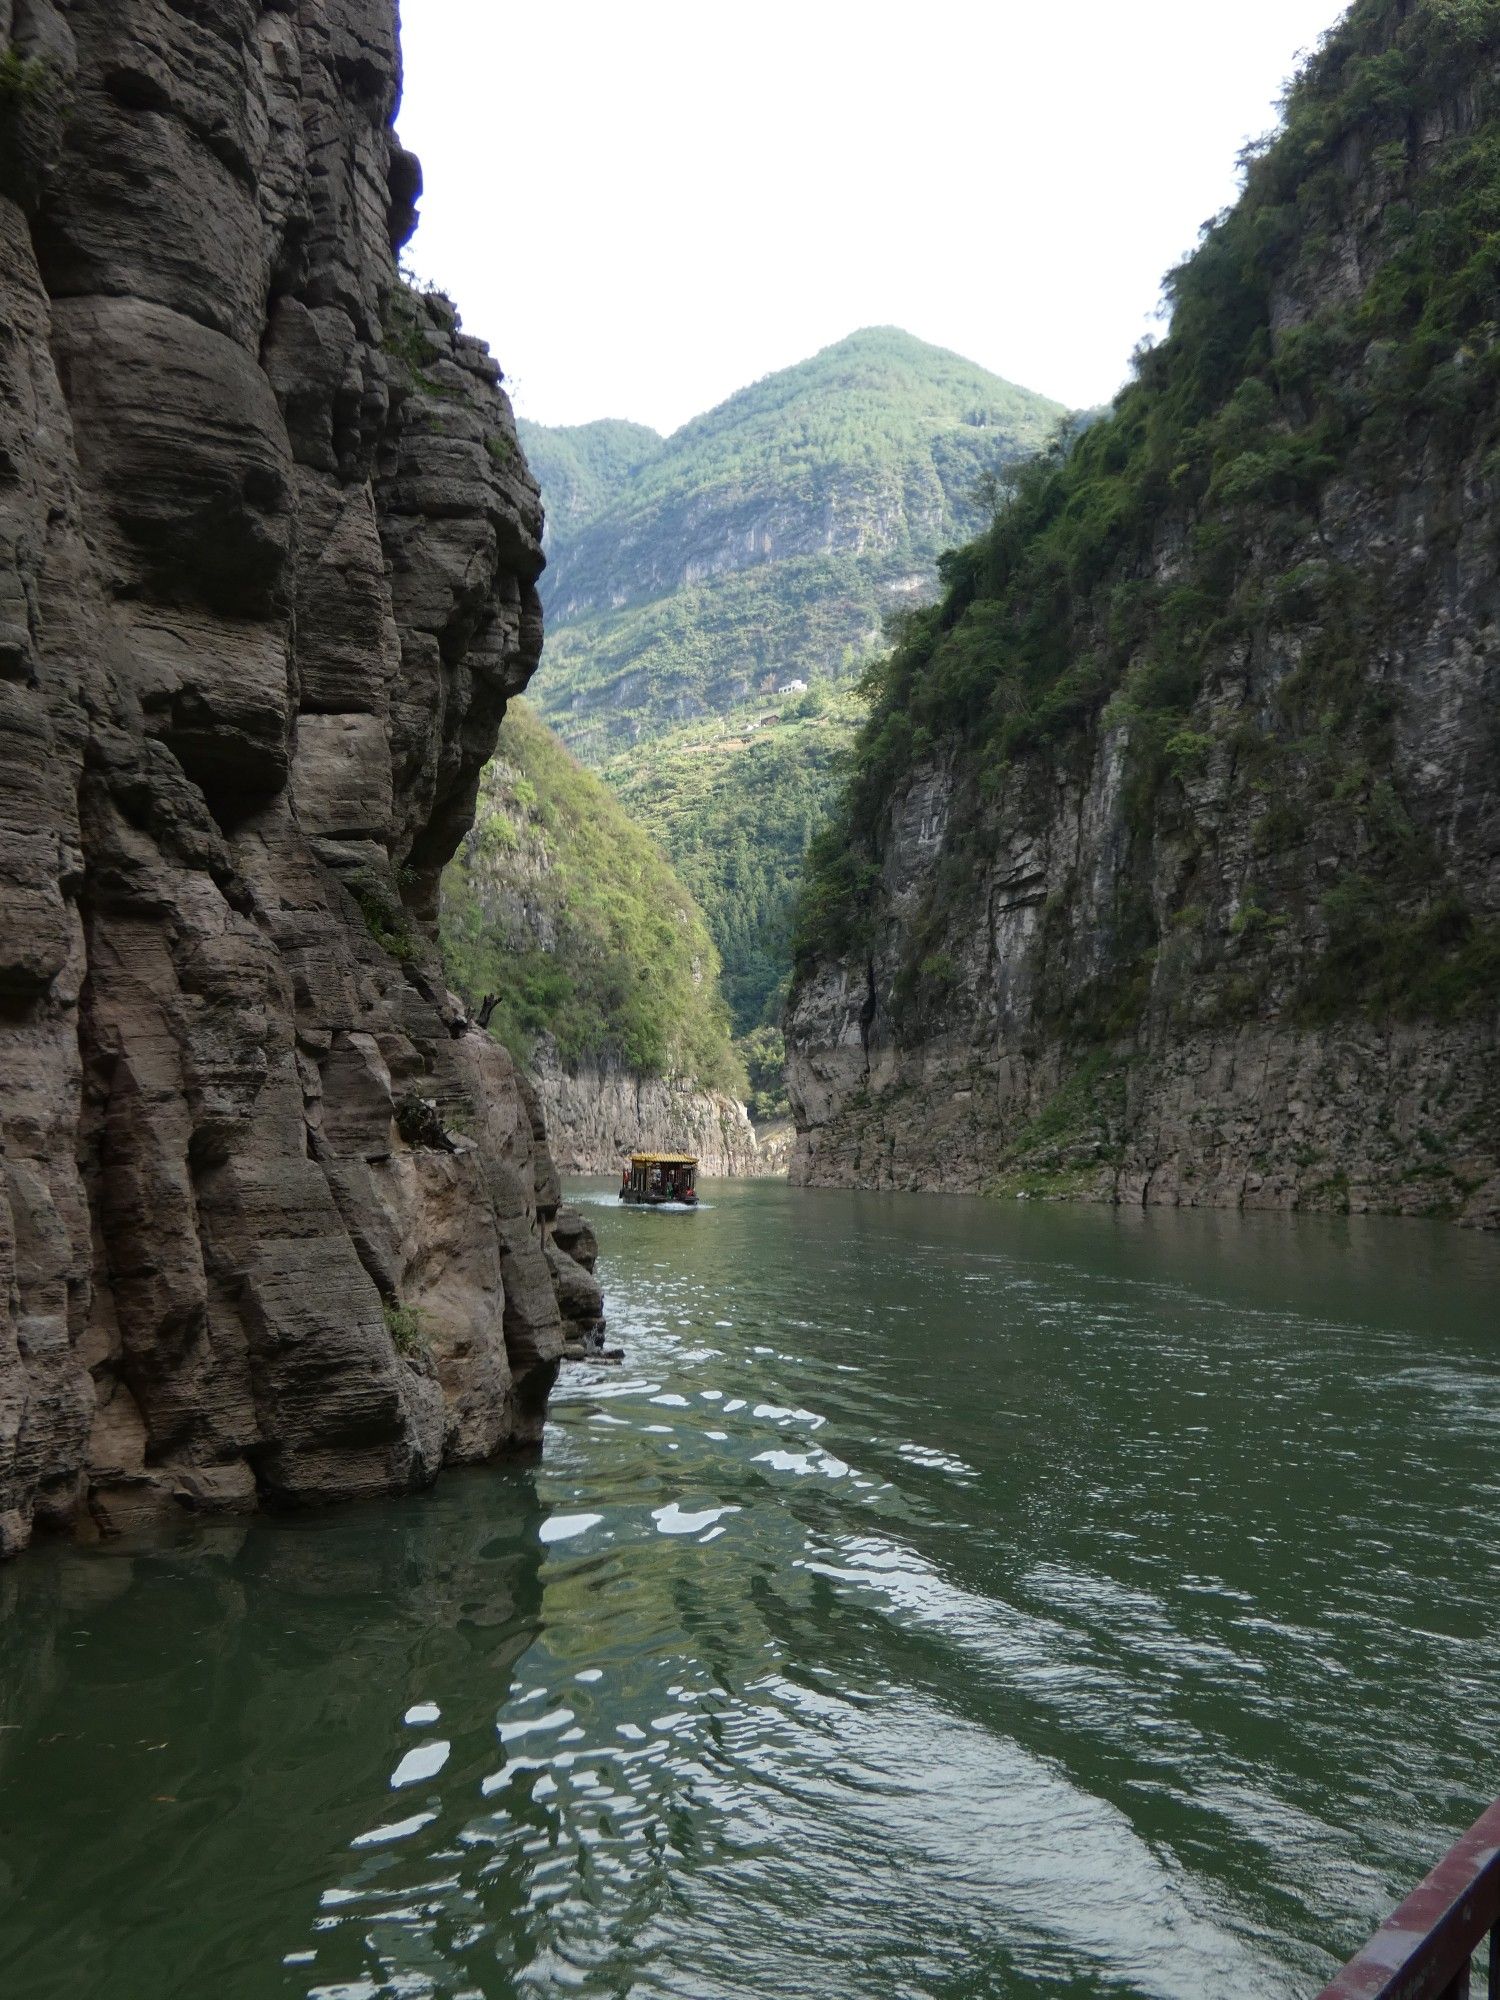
x: 943, y: 1600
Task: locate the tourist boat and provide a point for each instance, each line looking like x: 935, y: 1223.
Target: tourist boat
x: 656, y: 1179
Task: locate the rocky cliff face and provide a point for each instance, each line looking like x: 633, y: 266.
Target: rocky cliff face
x: 274, y: 1220
x: 597, y: 1113
x: 1173, y: 873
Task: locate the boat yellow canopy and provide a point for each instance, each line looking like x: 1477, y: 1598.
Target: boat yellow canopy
x: 664, y: 1159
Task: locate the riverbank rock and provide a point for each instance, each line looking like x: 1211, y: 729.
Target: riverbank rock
x: 774, y: 1145
x: 572, y: 1254
x: 598, y: 1114
x: 275, y: 1221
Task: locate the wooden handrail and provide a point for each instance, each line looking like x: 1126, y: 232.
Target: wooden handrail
x: 1423, y: 1950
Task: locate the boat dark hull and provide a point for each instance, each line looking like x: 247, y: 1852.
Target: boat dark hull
x: 657, y: 1200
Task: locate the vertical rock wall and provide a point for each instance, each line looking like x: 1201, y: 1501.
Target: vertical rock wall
x: 1233, y: 941
x: 274, y: 1220
x: 598, y: 1113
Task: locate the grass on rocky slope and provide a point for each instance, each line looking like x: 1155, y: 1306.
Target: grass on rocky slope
x: 736, y: 802
x: 560, y: 904
x: 627, y: 677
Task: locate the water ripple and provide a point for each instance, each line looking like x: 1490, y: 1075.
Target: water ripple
x: 940, y: 1601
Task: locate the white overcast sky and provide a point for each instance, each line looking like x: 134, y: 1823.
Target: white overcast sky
x: 645, y: 204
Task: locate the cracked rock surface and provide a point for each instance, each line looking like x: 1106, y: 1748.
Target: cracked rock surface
x: 1250, y: 961
x: 276, y: 1223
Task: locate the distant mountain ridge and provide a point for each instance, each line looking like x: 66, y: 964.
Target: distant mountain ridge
x: 766, y: 539
x: 584, y: 467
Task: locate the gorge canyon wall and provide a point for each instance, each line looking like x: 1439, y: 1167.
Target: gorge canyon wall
x: 276, y: 1223
x: 1172, y: 874
x: 598, y: 1112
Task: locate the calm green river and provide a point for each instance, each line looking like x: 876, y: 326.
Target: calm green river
x: 943, y: 1600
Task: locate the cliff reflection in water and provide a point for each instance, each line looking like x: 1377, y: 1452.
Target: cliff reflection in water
x: 198, y: 1742
x: 944, y: 1599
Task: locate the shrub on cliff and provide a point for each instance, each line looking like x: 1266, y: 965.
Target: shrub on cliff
x: 1175, y: 532
x: 561, y: 905
x: 736, y: 805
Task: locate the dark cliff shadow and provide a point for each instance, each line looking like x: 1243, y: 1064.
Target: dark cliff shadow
x: 230, y: 1708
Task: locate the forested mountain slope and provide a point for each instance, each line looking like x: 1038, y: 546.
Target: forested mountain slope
x: 736, y: 803
x: 605, y: 978
x: 766, y: 539
x: 583, y: 468
x: 1171, y: 865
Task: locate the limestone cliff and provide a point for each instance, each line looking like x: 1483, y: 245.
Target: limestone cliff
x: 1170, y: 871
x: 599, y: 968
x: 274, y: 1220
x: 597, y: 1112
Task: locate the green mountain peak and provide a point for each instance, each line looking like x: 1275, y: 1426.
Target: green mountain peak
x: 765, y: 542
x: 766, y: 539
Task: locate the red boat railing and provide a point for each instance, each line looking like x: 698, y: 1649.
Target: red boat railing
x: 1423, y: 1950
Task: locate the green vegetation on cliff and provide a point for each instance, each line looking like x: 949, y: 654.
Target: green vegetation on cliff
x: 619, y: 681
x: 1187, y: 532
x: 561, y: 906
x: 582, y: 467
x: 736, y: 803
x: 765, y: 540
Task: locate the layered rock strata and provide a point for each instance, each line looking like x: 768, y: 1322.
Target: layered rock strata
x: 1216, y: 916
x: 598, y: 1113
x: 274, y: 1219
x: 573, y: 1254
